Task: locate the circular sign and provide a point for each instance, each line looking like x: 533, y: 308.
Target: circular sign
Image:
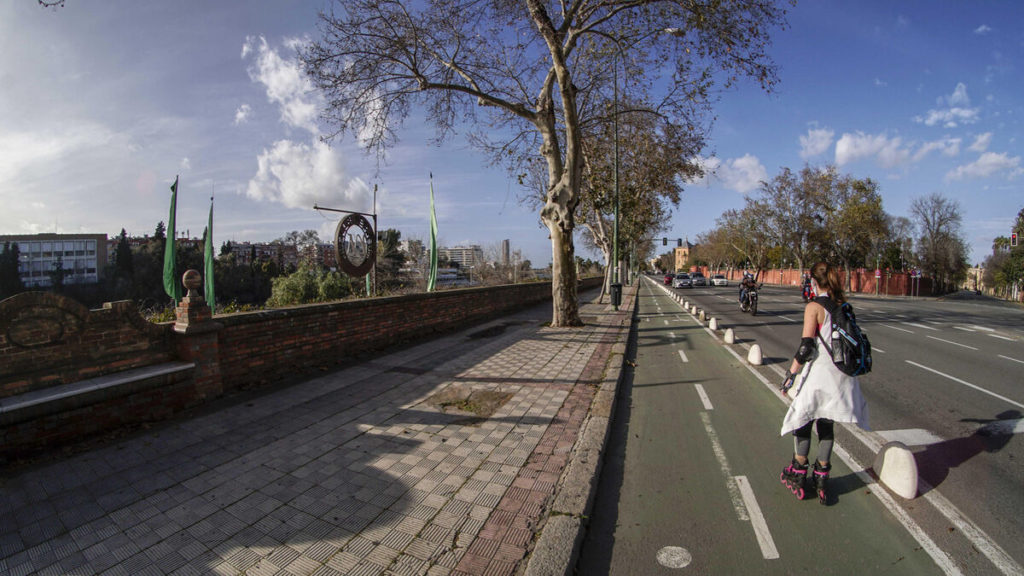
x: 355, y: 245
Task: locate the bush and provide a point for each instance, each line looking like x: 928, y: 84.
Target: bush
x: 305, y: 286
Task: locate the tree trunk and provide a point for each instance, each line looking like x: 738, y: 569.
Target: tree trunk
x: 564, y: 296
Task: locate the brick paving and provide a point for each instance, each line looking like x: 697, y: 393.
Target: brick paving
x: 352, y: 472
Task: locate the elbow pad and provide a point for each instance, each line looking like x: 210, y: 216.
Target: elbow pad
x: 805, y: 351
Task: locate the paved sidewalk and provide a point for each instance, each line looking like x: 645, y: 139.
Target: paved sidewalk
x: 353, y: 472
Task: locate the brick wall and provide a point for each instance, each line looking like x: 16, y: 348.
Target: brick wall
x: 47, y: 340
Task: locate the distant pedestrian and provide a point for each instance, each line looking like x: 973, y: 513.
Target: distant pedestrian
x: 823, y: 393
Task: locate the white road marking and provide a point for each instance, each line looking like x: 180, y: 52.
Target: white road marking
x: 674, y: 557
x: 1002, y: 337
x: 953, y: 343
x: 683, y: 356
x: 1003, y: 427
x: 968, y: 384
x: 704, y: 397
x: 900, y: 329
x: 921, y: 326
x: 1013, y: 359
x: 764, y: 537
x: 666, y: 322
x: 730, y: 482
x: 985, y: 328
x: 787, y: 319
x: 964, y: 329
x: 977, y: 536
x: 910, y: 436
x: 877, y: 349
x: 942, y: 560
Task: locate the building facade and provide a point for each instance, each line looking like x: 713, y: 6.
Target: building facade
x: 465, y: 256
x: 82, y: 257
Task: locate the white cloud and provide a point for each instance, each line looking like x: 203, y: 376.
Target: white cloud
x: 983, y: 29
x: 743, y: 174
x: 981, y: 142
x: 948, y: 147
x: 186, y: 165
x: 989, y: 164
x: 299, y: 175
x: 953, y: 110
x: 242, y: 114
x: 889, y: 152
x: 285, y: 83
x: 815, y: 142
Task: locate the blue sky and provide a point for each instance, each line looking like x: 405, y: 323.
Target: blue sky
x: 104, y: 103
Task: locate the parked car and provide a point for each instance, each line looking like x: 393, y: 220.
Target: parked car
x: 682, y: 280
x: 719, y: 280
x: 668, y: 279
x: 698, y: 279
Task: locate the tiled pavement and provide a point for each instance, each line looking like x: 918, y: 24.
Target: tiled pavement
x: 352, y: 472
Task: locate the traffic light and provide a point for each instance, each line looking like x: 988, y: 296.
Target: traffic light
x: 679, y: 242
x: 664, y: 241
x: 1013, y: 239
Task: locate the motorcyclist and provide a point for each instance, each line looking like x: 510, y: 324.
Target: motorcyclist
x: 808, y: 291
x: 746, y: 285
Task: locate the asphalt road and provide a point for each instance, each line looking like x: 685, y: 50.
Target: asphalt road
x: 696, y: 429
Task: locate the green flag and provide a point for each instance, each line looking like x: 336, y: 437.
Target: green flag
x: 432, y: 279
x: 208, y: 262
x: 172, y: 284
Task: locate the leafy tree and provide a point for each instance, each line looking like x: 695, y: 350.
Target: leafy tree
x: 791, y: 204
x: 10, y: 276
x: 941, y: 247
x: 390, y: 258
x: 538, y: 72
x: 853, y: 219
x: 307, y: 285
x: 1004, y: 269
x: 123, y: 264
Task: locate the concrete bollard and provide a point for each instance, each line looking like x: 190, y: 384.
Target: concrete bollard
x: 713, y: 324
x: 686, y: 305
x: 754, y: 356
x: 897, y: 469
x: 730, y: 336
x: 703, y: 316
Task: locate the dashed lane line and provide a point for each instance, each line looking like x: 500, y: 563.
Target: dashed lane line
x: 953, y: 343
x: 1002, y: 337
x: 897, y: 328
x: 703, y: 397
x: 764, y: 536
x: 1011, y: 359
x: 983, y: 328
x: 915, y: 325
x: 683, y: 356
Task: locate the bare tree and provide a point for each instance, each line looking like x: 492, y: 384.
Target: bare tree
x: 941, y: 247
x: 791, y: 205
x: 538, y: 71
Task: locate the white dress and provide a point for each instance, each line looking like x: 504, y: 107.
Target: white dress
x: 823, y: 391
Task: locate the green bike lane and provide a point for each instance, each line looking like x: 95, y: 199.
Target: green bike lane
x: 690, y: 482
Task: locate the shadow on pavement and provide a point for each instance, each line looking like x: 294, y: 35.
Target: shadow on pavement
x: 936, y: 460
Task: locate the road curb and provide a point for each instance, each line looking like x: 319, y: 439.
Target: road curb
x: 558, y: 545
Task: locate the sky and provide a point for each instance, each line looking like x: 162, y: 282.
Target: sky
x: 103, y: 104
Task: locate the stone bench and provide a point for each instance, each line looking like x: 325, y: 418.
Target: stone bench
x: 66, y: 397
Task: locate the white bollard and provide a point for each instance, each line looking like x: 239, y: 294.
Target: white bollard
x: 703, y: 316
x: 897, y: 469
x: 686, y: 305
x: 730, y: 336
x: 713, y: 324
x: 754, y: 356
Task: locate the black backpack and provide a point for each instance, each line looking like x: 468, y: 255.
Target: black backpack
x: 848, y: 345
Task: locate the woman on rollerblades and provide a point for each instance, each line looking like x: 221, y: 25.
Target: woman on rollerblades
x: 822, y: 393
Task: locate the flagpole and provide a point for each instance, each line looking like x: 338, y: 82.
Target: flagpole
x: 208, y: 293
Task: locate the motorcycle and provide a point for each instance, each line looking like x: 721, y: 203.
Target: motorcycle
x: 749, y: 302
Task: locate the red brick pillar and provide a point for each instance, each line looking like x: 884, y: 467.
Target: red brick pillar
x: 196, y: 340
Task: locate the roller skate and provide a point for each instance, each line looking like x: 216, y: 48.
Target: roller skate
x: 794, y: 477
x: 821, y: 481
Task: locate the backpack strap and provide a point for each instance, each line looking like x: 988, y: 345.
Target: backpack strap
x: 830, y: 306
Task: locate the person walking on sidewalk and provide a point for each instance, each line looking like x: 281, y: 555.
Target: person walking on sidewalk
x: 822, y: 393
